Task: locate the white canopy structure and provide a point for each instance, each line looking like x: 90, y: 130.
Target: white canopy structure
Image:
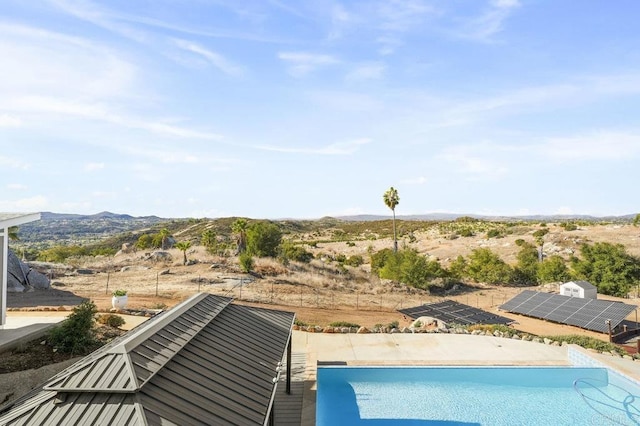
x: 7, y: 220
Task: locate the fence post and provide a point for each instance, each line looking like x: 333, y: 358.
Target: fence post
x: 106, y: 291
x: 198, y: 283
x: 157, y: 279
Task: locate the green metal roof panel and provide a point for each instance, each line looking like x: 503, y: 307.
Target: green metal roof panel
x: 204, y: 362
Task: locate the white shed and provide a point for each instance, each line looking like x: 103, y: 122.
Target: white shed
x: 581, y: 289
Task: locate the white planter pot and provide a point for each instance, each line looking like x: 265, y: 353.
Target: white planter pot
x: 119, y: 302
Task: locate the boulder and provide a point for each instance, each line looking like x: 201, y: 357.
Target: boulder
x: 160, y: 256
x: 21, y: 277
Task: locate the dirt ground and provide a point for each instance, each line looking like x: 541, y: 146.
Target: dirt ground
x: 320, y: 292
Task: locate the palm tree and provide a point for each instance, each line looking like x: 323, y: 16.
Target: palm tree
x: 539, y: 237
x: 164, y: 234
x: 13, y: 233
x: 239, y: 227
x: 184, y: 246
x: 208, y: 238
x: 391, y: 199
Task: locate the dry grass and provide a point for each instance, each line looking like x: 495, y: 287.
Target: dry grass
x: 322, y: 291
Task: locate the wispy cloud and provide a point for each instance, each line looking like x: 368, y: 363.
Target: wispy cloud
x: 16, y: 187
x: 99, y: 16
x: 372, y: 71
x: 13, y: 163
x: 597, y: 146
x: 402, y: 15
x: 490, y: 22
x: 92, y: 167
x: 421, y: 180
x: 215, y: 59
x: 303, y: 63
x: 477, y: 161
x: 9, y: 121
x: 338, y: 148
x: 35, y: 203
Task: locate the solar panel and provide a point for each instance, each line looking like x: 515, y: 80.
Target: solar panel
x: 450, y: 311
x: 591, y: 314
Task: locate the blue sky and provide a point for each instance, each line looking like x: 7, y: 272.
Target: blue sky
x: 283, y: 108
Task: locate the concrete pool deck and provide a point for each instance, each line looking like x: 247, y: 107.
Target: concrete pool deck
x: 426, y: 349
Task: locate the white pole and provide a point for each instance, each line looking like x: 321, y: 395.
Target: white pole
x: 4, y: 260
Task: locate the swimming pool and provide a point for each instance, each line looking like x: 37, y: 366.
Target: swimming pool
x: 420, y: 396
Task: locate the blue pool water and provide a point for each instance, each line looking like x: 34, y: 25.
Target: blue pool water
x: 420, y: 396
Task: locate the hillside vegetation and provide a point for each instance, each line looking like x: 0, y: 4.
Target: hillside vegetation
x: 431, y: 255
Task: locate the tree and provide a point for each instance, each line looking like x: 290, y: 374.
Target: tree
x: 539, y: 237
x: 458, y: 268
x: 208, y: 238
x: 13, y: 233
x: 163, y: 234
x: 408, y: 267
x: 636, y: 220
x: 487, y: 267
x: 609, y: 267
x: 526, y: 270
x: 183, y: 246
x: 379, y: 259
x: 144, y: 241
x: 392, y: 199
x: 553, y: 269
x: 263, y: 239
x: 239, y: 227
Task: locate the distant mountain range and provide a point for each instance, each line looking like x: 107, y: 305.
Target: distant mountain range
x: 102, y: 215
x: 454, y: 216
x: 65, y: 227
x: 78, y: 228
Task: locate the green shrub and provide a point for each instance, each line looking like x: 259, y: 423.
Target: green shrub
x: 355, y: 260
x: 246, y: 262
x: 111, y: 320
x: 393, y: 324
x: 569, y: 226
x: 76, y: 334
x: 588, y: 343
x: 493, y: 233
x: 296, y: 253
x: 465, y: 232
x: 120, y: 293
x: 300, y: 323
x: 344, y: 324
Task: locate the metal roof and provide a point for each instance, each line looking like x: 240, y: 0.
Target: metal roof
x: 453, y: 312
x: 585, y: 285
x: 8, y: 220
x: 590, y: 314
x: 206, y: 361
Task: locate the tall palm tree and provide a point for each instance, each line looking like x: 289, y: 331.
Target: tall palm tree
x: 184, y: 246
x: 391, y: 199
x: 240, y: 227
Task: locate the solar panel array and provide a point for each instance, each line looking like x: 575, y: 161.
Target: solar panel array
x: 452, y: 312
x: 590, y: 314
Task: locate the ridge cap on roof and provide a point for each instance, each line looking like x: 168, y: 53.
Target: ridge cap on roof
x: 119, y: 350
